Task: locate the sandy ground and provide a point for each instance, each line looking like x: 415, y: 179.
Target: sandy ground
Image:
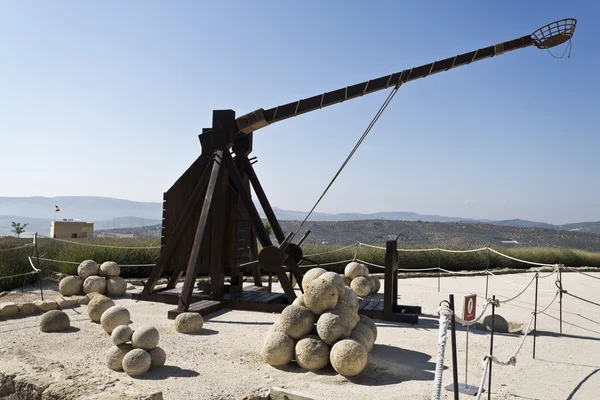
x: 224, y: 361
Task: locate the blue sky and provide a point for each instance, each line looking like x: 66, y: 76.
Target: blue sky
x: 107, y: 98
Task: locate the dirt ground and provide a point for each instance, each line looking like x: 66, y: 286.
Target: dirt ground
x: 224, y: 361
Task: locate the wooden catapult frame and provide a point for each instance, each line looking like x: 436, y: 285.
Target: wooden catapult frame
x: 211, y: 225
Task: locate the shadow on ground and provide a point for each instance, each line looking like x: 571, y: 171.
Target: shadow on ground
x: 167, y: 371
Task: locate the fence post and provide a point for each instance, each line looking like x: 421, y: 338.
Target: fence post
x: 535, y: 312
x: 439, y: 270
x: 454, y: 356
x: 560, y: 299
x: 491, y: 348
x: 37, y: 256
x: 487, y: 275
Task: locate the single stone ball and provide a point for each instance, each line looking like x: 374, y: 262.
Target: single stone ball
x: 349, y: 298
x: 278, y: 349
x: 336, y: 280
x: 113, y: 317
x: 114, y: 356
x: 348, y: 357
x: 354, y: 269
x: 116, y: 286
x: 296, y: 321
x: 97, y: 305
x: 70, y: 285
x: 299, y: 301
x: 94, y: 284
x: 347, y: 281
x: 158, y: 357
x: 500, y: 324
x: 189, y: 322
x: 376, y: 282
x: 54, y: 321
x: 145, y: 338
x: 372, y: 282
x: 109, y: 268
x: 365, y: 270
x: 370, y: 324
x: 361, y: 285
x: 321, y: 295
x: 136, y: 362
x: 363, y: 335
x: 312, y: 353
x: 121, y: 334
x: 350, y: 316
x: 311, y: 275
x: 87, y: 268
x: 332, y: 327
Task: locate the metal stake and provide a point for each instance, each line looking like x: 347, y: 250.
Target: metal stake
x: 491, y: 348
x: 487, y: 275
x: 535, y: 313
x: 439, y: 270
x: 561, y: 296
x: 467, y: 358
x: 454, y: 358
x: 37, y: 256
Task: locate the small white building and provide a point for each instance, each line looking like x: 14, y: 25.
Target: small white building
x: 71, y: 229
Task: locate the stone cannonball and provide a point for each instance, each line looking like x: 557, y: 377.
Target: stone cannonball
x: 348, y: 357
x: 121, y: 334
x: 350, y: 299
x: 299, y: 301
x: 158, y: 357
x: 361, y: 286
x: 116, y: 286
x: 312, y: 353
x: 189, y: 322
x: 336, y: 280
x: 349, y: 316
x: 87, y: 268
x: 296, y: 321
x: 362, y: 334
x: 278, y: 348
x: 113, y: 317
x: 70, y: 285
x: 332, y: 327
x: 311, y: 275
x: 94, y: 284
x: 370, y: 324
x: 136, y: 362
x: 54, y: 321
x: 109, y: 268
x: 145, y: 337
x: 97, y: 305
x: 114, y: 356
x: 321, y: 295
x: 354, y: 269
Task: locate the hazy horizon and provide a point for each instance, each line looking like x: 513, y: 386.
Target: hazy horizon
x: 107, y: 99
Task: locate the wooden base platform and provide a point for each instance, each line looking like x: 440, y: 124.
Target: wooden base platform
x: 255, y: 298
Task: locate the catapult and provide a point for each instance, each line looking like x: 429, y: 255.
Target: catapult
x: 211, y: 225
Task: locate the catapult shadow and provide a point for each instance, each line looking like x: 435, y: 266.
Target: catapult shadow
x: 580, y: 384
x: 167, y: 371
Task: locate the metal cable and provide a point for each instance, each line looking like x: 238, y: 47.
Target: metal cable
x: 364, y: 135
x: 100, y: 245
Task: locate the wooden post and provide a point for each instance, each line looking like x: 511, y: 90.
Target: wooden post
x: 390, y: 284
x: 188, y: 286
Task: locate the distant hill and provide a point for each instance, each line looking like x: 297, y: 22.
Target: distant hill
x: 430, y: 234
x: 110, y: 213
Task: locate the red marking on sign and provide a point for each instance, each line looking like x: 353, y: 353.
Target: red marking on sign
x: 470, y: 307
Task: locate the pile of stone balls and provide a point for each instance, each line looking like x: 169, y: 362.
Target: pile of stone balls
x: 134, y: 352
x: 356, y: 275
x: 94, y: 278
x: 322, y: 326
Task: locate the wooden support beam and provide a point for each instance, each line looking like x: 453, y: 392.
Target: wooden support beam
x: 390, y: 284
x: 174, y: 237
x: 262, y: 198
x: 190, y: 277
x: 217, y: 231
x: 261, y: 232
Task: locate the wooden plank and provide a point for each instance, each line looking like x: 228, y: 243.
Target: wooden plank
x: 262, y: 296
x: 251, y: 296
x: 204, y: 307
x: 362, y: 304
x: 272, y: 298
x: 371, y: 306
x: 277, y: 393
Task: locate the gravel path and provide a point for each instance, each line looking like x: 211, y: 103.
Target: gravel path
x: 224, y: 361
